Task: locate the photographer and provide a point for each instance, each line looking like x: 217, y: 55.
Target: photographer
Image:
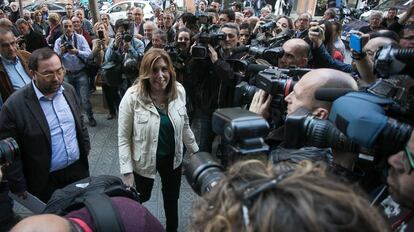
x: 74, y: 51
x: 212, y: 84
x: 123, y: 48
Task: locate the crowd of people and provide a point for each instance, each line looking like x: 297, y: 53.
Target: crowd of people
x: 163, y: 78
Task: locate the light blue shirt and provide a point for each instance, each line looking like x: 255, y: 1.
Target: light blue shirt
x: 15, y: 70
x: 65, y: 147
x: 72, y: 62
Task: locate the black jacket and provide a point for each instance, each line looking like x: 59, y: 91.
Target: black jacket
x: 211, y: 86
x: 34, y: 41
x: 23, y: 119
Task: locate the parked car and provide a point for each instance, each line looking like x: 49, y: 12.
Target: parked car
x: 119, y: 10
x: 56, y: 7
x: 401, y: 5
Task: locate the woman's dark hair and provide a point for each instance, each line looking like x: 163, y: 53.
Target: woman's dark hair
x: 245, y: 26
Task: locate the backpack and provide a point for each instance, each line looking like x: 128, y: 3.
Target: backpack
x: 94, y: 193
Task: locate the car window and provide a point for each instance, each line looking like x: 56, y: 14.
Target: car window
x: 120, y: 8
x: 390, y: 3
x: 53, y: 7
x: 140, y: 5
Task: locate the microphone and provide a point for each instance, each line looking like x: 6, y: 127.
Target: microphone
x: 331, y: 94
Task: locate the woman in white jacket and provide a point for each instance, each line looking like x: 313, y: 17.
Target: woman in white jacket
x: 152, y: 127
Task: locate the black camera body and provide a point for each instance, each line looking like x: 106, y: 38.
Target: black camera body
x: 268, y: 27
x: 200, y: 50
x: 9, y: 149
x: 69, y: 45
x: 127, y: 37
x: 271, y: 55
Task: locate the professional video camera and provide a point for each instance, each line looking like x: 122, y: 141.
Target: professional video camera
x: 206, y: 37
x: 9, y: 149
x: 390, y: 60
x: 203, y: 172
x: 271, y: 55
x: 241, y: 132
x: 367, y: 123
x: 275, y: 81
x: 304, y: 130
x: 176, y: 52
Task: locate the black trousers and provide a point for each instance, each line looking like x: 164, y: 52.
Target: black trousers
x: 112, y: 98
x: 61, y: 178
x: 171, y: 181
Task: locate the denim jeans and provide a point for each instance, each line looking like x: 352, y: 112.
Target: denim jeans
x: 80, y: 82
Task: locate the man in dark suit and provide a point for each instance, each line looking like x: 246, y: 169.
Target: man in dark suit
x: 45, y: 119
x: 32, y: 39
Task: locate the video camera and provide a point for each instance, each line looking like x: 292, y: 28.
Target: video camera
x: 176, y: 52
x: 390, y: 60
x: 9, y: 149
x: 241, y: 132
x: 206, y: 37
x: 274, y: 81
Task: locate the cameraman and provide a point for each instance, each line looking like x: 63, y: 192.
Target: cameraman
x: 122, y: 48
x: 296, y: 54
x: 212, y: 85
x: 303, y: 96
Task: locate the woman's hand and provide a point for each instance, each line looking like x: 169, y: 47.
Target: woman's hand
x: 128, y: 179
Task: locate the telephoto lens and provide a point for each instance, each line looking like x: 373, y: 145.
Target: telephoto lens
x: 8, y: 150
x: 203, y: 172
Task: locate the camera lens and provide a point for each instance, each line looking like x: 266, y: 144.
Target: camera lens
x: 8, y: 150
x: 203, y: 172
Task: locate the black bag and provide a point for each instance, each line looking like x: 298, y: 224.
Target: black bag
x: 94, y: 193
x: 112, y: 73
x: 92, y: 68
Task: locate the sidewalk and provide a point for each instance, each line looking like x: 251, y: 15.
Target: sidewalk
x: 103, y: 160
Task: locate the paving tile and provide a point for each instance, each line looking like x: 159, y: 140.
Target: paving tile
x: 103, y: 160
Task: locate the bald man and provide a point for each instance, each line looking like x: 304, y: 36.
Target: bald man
x: 43, y: 223
x: 303, y: 95
x: 296, y: 54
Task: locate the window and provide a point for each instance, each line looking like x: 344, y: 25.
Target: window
x: 120, y: 8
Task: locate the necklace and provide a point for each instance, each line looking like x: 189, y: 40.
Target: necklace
x: 159, y: 103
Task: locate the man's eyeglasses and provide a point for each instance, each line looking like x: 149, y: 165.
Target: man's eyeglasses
x: 60, y: 72
x: 408, y: 160
x: 5, y: 44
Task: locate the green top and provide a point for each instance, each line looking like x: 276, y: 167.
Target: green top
x: 166, y: 141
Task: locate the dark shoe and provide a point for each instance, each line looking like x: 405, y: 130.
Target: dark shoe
x: 92, y: 122
x: 110, y: 116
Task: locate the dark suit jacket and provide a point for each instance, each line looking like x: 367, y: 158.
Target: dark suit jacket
x: 34, y: 41
x: 22, y: 118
